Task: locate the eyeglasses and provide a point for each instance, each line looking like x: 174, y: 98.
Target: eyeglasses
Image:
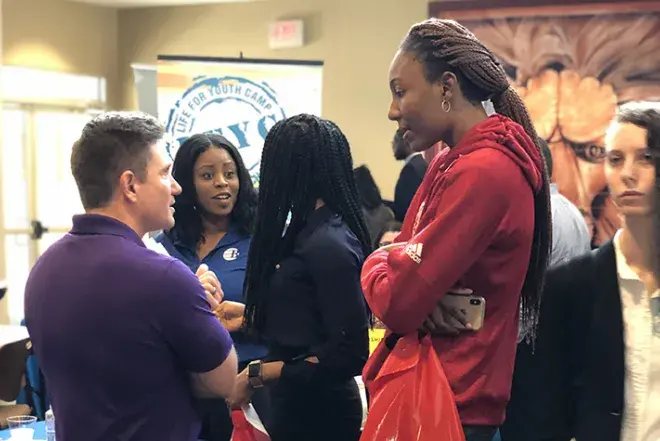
x: 385, y: 243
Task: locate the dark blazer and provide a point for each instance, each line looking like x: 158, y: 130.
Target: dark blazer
x: 409, y: 180
x: 572, y: 384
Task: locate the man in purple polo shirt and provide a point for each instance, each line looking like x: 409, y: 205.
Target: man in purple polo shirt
x: 124, y: 335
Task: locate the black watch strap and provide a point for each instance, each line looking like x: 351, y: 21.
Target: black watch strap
x: 255, y: 378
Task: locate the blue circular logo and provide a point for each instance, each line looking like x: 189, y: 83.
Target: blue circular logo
x: 239, y: 109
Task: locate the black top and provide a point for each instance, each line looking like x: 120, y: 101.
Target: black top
x: 572, y: 384
x: 409, y: 181
x: 315, y: 305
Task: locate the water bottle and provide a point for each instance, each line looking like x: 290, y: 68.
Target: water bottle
x: 50, y: 425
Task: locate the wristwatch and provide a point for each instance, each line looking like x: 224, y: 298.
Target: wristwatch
x: 255, y: 374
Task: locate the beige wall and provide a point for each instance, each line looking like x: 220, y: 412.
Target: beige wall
x: 62, y: 36
x: 355, y: 38
x: 4, y: 316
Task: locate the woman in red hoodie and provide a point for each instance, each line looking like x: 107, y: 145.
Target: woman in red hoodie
x: 480, y: 220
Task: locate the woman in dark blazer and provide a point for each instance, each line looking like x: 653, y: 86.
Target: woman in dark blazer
x: 594, y: 373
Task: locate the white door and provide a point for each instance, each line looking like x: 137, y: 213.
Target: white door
x: 39, y: 194
x: 56, y: 196
x: 15, y: 211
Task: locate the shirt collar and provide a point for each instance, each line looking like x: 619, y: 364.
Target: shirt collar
x: 622, y: 268
x: 231, y: 237
x: 314, y: 220
x: 410, y: 157
x: 554, y: 189
x: 90, y: 224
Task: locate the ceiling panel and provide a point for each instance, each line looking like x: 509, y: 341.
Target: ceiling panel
x: 155, y: 3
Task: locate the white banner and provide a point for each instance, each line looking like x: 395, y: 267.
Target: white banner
x: 146, y: 88
x: 238, y: 98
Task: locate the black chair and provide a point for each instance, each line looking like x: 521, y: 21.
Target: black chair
x: 12, y: 378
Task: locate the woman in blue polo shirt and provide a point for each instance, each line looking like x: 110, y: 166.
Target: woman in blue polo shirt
x: 214, y: 216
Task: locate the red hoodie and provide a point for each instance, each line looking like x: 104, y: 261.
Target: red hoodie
x: 471, y: 225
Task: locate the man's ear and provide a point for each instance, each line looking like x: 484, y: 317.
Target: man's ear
x: 128, y: 185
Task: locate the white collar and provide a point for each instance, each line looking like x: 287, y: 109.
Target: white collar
x: 410, y: 157
x: 622, y: 268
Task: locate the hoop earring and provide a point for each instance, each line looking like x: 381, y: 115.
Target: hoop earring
x: 446, y: 106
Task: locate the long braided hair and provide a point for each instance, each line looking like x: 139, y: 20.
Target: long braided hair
x: 446, y: 46
x: 305, y: 158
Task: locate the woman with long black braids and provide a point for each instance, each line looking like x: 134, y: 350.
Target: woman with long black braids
x: 480, y: 220
x: 302, y: 287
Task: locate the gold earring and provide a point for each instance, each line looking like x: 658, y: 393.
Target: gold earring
x: 446, y: 106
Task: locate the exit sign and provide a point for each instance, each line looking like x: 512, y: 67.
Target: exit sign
x: 286, y: 34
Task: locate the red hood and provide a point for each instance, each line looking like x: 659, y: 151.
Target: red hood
x: 499, y: 132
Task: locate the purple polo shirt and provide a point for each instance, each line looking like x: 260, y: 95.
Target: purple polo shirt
x: 117, y: 329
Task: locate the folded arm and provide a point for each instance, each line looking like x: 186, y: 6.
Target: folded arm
x: 196, y: 336
x: 403, y: 286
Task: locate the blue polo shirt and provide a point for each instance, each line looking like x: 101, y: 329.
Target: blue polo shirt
x: 117, y: 330
x: 228, y: 260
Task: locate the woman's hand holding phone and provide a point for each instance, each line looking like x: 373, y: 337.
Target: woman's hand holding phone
x: 446, y: 319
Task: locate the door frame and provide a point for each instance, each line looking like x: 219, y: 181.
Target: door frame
x: 30, y: 110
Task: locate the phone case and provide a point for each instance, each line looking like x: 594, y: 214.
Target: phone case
x: 473, y: 307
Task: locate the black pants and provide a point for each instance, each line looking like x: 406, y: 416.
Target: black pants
x: 322, y: 411
x: 216, y: 417
x: 479, y: 433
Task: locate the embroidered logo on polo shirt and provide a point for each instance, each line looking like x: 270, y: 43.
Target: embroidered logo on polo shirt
x: 414, y: 251
x: 230, y: 254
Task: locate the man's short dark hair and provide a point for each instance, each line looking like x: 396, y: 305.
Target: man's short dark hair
x: 400, y: 147
x: 398, y: 139
x: 109, y: 145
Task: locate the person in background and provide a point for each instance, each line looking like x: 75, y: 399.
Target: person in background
x: 570, y: 238
x: 376, y: 213
x: 125, y: 336
x: 594, y: 372
x: 388, y: 234
x: 570, y: 233
x: 411, y: 175
x: 591, y: 226
x: 480, y: 219
x: 302, y: 286
x: 214, y: 217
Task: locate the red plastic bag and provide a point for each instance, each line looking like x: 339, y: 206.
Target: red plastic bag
x: 248, y: 426
x: 410, y: 397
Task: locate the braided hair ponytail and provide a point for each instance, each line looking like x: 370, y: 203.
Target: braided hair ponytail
x: 305, y: 158
x: 446, y: 46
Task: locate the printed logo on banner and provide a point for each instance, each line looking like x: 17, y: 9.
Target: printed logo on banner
x: 241, y: 110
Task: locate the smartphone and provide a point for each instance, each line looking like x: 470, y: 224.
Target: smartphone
x: 471, y: 306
